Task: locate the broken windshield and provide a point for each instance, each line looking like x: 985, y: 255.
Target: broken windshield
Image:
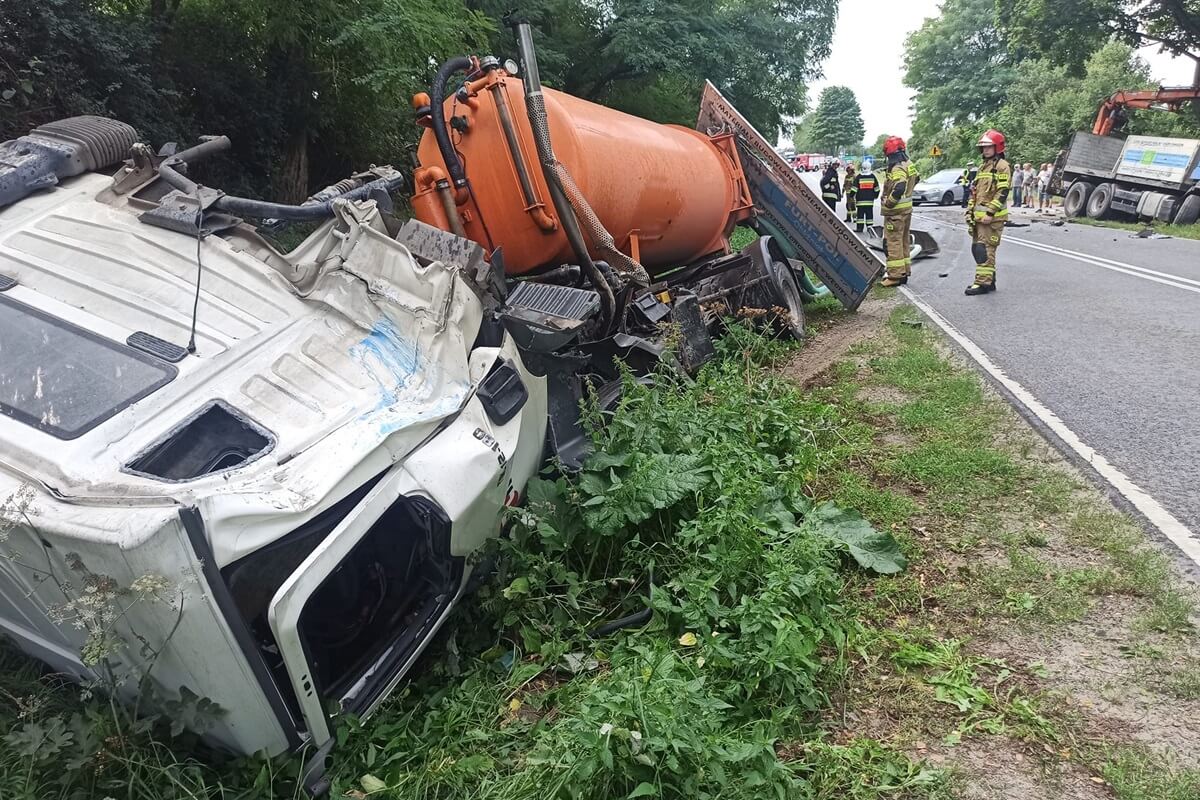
x: 63, y: 379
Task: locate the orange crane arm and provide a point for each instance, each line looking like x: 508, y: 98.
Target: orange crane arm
x: 1161, y: 99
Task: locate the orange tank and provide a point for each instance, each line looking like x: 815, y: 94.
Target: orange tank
x: 668, y: 195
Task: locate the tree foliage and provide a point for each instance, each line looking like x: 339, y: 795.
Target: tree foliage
x: 310, y: 89
x: 959, y: 64
x: 1038, y: 70
x: 759, y: 53
x: 1069, y: 31
x: 837, y: 121
x: 1045, y: 105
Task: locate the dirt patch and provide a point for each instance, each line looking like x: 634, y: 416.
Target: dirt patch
x: 997, y: 768
x: 883, y: 396
x: 831, y: 345
x: 1114, y: 674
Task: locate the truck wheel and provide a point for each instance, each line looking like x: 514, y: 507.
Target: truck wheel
x: 788, y: 297
x: 947, y: 199
x: 1099, y: 205
x: 1076, y: 200
x: 1189, y: 210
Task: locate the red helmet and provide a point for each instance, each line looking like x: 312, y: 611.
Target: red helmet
x: 893, y: 144
x: 993, y: 138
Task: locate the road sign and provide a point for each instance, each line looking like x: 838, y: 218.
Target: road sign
x: 935, y: 151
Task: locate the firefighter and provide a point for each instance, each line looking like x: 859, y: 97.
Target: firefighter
x: 967, y: 179
x: 848, y: 190
x: 899, y: 180
x: 831, y: 190
x: 866, y: 189
x: 987, y: 210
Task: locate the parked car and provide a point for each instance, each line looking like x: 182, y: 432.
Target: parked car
x: 941, y: 187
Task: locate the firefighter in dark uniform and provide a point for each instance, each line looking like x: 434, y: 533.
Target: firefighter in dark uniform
x: 866, y: 189
x: 848, y: 190
x: 899, y: 179
x: 967, y: 179
x: 831, y: 186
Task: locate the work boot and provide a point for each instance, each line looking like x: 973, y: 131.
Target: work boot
x: 980, y: 288
x: 889, y: 281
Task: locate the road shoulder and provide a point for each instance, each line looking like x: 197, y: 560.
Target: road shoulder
x: 1039, y: 646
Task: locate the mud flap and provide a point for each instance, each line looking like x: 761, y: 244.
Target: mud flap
x: 820, y: 239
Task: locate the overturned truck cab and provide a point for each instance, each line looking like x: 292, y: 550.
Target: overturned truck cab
x: 278, y: 517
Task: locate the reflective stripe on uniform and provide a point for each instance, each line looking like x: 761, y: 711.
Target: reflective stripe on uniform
x: 898, y: 262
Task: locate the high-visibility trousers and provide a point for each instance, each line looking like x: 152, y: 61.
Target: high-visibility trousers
x: 831, y: 201
x: 866, y: 214
x: 984, y: 244
x: 850, y: 208
x: 898, y: 244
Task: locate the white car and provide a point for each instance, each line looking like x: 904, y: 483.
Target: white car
x: 942, y: 187
x: 282, y: 518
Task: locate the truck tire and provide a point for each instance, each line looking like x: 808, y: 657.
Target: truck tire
x: 1099, y: 205
x: 1075, y: 202
x: 788, y: 297
x: 1189, y: 210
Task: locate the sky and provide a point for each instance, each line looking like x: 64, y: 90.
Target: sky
x: 877, y: 79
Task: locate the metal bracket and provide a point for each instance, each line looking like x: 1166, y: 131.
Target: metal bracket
x: 179, y: 212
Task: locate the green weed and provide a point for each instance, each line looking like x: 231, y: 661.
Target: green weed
x: 1140, y: 775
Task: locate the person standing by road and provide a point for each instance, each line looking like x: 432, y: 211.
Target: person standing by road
x: 988, y: 210
x: 866, y: 189
x: 899, y: 180
x: 1043, y: 184
x: 967, y: 180
x: 1030, y: 185
x: 831, y: 188
x: 848, y: 186
x: 1018, y: 186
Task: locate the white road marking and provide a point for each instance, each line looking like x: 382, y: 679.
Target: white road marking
x: 1164, y: 278
x: 1167, y: 524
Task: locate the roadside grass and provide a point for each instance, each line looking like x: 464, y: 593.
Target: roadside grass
x: 1178, y: 231
x: 778, y: 661
x: 999, y: 537
x: 698, y: 504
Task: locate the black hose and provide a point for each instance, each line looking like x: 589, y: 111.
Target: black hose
x: 535, y: 110
x: 199, y: 152
x: 437, y: 114
x: 259, y: 209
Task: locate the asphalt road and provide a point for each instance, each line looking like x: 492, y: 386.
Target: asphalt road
x: 1102, y: 328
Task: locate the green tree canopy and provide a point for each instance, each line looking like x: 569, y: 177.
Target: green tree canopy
x: 837, y: 121
x: 1067, y: 32
x: 759, y: 53
x: 959, y: 66
x: 1045, y: 105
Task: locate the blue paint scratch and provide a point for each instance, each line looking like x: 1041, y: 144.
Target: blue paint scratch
x: 389, y: 358
x: 405, y: 382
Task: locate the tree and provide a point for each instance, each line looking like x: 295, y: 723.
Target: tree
x: 1044, y: 105
x: 876, y: 150
x: 1068, y: 31
x: 959, y: 66
x: 759, y: 53
x: 837, y: 121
